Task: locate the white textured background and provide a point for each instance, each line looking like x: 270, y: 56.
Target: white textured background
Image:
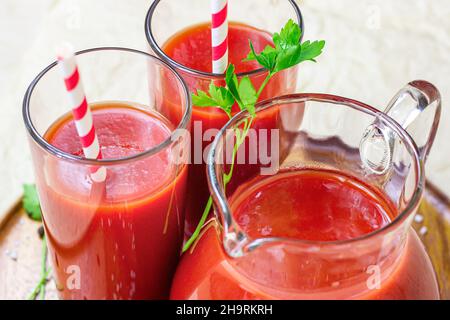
x: 374, y: 47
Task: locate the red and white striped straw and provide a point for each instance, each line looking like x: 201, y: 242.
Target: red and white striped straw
x: 219, y: 35
x: 80, y: 110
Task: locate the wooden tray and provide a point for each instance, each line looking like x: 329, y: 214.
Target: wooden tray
x: 20, y: 247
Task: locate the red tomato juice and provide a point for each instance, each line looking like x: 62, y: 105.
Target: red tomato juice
x: 314, y: 205
x: 119, y: 239
x: 192, y: 48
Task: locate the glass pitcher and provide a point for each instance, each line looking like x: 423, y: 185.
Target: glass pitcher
x: 318, y: 133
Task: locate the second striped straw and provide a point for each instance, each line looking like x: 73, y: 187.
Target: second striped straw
x: 81, y: 111
x: 219, y: 35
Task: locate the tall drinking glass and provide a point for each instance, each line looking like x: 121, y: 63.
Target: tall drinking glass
x: 351, y: 162
x: 121, y: 238
x: 184, y: 42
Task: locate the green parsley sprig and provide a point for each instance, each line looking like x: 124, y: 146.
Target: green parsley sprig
x: 32, y: 207
x: 30, y: 202
x: 286, y: 52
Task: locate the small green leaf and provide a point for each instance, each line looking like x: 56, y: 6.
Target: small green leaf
x: 288, y: 50
x: 222, y: 96
x: 311, y: 50
x: 288, y: 58
x: 232, y: 83
x: 30, y: 202
x: 218, y: 97
x: 266, y: 58
x: 248, y: 95
x: 251, y: 55
x: 289, y: 36
x: 201, y: 99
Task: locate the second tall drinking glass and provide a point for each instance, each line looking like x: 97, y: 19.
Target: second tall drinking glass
x: 184, y: 42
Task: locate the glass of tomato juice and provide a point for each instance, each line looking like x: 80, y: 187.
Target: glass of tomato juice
x: 330, y: 217
x: 185, y: 43
x: 121, y: 238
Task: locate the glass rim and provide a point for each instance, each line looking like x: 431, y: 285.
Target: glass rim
x: 39, y: 139
x: 160, y: 52
x: 220, y: 198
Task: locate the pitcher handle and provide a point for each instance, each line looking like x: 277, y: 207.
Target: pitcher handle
x: 418, y: 99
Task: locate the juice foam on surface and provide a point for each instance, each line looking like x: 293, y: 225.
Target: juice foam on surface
x: 123, y: 131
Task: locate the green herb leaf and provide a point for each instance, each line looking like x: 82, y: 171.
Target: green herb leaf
x: 311, y: 50
x: 288, y: 50
x: 201, y: 99
x: 216, y: 97
x: 248, y: 95
x: 251, y: 56
x: 232, y: 83
x: 289, y: 36
x: 243, y: 92
x: 267, y: 58
x: 288, y: 58
x: 222, y: 96
x: 30, y: 202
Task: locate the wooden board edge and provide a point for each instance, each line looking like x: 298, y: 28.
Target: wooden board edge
x: 13, y: 209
